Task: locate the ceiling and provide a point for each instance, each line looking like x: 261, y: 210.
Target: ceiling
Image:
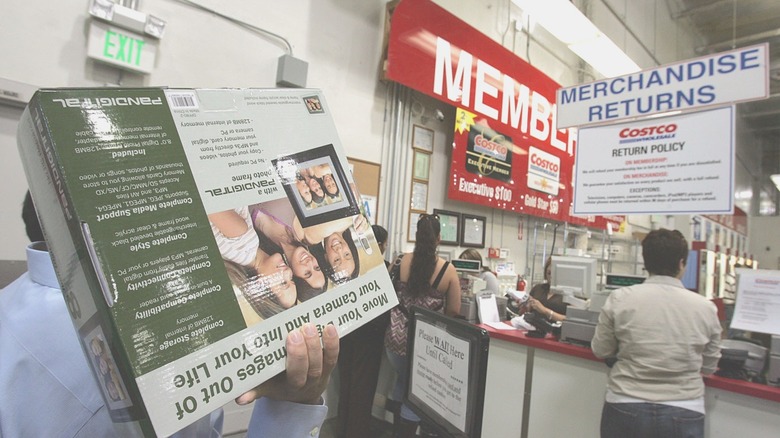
x: 727, y: 24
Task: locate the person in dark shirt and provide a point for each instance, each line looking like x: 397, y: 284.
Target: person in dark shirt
x: 543, y: 301
x: 359, y: 359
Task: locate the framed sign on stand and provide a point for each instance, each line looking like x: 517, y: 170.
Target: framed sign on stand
x: 447, y: 388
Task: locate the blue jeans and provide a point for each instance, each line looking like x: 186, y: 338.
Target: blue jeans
x: 401, y: 381
x: 650, y: 420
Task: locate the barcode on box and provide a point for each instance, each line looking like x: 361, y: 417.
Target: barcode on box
x: 183, y: 100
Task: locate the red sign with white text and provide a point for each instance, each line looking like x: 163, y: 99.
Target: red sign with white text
x: 507, y: 151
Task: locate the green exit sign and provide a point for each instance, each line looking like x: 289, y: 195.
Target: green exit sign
x: 121, y: 47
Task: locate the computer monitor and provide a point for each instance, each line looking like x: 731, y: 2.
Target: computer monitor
x: 573, y: 276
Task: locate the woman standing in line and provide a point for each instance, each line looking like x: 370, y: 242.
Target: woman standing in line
x: 424, y: 279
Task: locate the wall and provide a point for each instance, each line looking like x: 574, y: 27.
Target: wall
x: 341, y: 40
x: 765, y: 241
x: 661, y: 41
x: 44, y: 44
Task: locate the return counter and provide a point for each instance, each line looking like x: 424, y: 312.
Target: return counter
x: 543, y: 387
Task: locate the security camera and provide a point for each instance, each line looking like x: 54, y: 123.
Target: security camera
x: 439, y: 115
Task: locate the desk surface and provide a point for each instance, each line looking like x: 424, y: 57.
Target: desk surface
x: 549, y: 343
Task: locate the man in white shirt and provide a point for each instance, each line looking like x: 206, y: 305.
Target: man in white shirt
x: 47, y: 388
x: 663, y: 337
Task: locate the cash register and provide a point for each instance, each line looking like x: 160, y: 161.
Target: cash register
x: 467, y: 271
x: 471, y: 286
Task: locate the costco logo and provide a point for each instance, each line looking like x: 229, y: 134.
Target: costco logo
x: 543, y: 163
x: 648, y: 130
x: 544, y: 171
x: 489, y: 147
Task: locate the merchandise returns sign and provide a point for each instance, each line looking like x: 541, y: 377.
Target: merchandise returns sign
x: 717, y: 80
x: 508, y: 152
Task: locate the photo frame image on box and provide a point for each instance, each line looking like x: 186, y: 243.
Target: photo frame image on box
x: 272, y: 267
x: 101, y: 358
x: 317, y: 185
x: 258, y: 261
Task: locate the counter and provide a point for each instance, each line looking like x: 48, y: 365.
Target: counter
x: 542, y: 387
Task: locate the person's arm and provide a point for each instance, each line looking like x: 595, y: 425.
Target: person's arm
x: 491, y: 281
x: 291, y: 404
x: 711, y: 353
x: 604, y: 343
x: 544, y: 311
x: 453, y: 292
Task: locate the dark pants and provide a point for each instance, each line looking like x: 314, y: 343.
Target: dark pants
x: 360, y: 354
x: 650, y: 420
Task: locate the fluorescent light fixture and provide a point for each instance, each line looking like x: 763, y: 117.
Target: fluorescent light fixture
x: 154, y: 26
x: 103, y: 9
x: 127, y: 18
x: 564, y: 21
x: 776, y: 180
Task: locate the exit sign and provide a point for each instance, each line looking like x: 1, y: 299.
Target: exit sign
x: 121, y: 47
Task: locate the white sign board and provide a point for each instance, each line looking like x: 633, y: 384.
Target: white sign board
x: 715, y: 80
x: 758, y: 301
x: 440, y: 372
x: 672, y: 165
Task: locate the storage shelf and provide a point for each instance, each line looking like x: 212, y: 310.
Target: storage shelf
x: 610, y: 251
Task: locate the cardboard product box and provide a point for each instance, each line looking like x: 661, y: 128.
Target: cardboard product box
x: 191, y: 230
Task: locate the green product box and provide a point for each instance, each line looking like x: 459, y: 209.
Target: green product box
x: 191, y: 230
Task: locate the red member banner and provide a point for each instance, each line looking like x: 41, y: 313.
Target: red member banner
x: 507, y: 150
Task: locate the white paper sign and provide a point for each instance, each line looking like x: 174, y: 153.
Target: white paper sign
x: 440, y: 372
x: 758, y: 301
x: 672, y: 165
x: 488, y: 308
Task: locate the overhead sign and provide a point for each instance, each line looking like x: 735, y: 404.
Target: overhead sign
x: 679, y: 165
x: 508, y: 152
x: 121, y: 47
x: 716, y: 80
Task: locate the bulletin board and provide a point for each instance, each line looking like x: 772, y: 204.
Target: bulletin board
x: 447, y: 368
x: 366, y: 175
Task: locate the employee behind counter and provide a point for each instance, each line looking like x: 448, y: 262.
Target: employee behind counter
x: 543, y: 301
